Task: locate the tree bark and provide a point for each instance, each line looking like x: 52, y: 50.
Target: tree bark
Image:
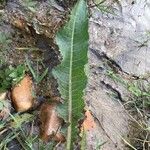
x: 45, y: 18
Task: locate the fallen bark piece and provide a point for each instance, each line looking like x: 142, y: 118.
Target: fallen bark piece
x: 51, y: 123
x: 88, y: 123
x: 46, y: 21
x: 22, y: 97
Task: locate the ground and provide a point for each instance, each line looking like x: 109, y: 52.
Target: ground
x: 117, y: 93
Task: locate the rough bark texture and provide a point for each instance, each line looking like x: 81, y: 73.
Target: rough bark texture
x: 46, y: 20
x: 118, y: 42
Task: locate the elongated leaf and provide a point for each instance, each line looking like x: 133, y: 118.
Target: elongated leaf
x: 73, y: 44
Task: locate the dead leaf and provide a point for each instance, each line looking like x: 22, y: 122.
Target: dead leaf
x: 88, y: 123
x: 51, y: 123
x: 22, y: 95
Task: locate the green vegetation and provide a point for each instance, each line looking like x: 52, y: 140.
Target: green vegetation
x: 72, y: 41
x: 73, y: 44
x: 10, y: 76
x: 140, y: 94
x: 6, y: 140
x: 36, y: 75
x: 2, y: 2
x: 14, y: 127
x: 70, y: 75
x: 137, y: 105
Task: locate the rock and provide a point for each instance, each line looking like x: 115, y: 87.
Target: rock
x: 51, y: 123
x: 21, y: 94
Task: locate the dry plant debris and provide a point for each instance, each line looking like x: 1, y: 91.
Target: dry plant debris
x: 3, y: 95
x: 4, y: 106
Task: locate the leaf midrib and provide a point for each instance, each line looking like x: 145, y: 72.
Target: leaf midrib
x: 70, y: 87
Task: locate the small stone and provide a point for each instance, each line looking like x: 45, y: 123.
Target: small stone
x: 22, y: 97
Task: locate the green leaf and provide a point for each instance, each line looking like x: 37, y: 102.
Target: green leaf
x: 10, y: 76
x: 30, y: 68
x: 43, y: 75
x: 38, y: 78
x: 17, y: 74
x: 70, y: 74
